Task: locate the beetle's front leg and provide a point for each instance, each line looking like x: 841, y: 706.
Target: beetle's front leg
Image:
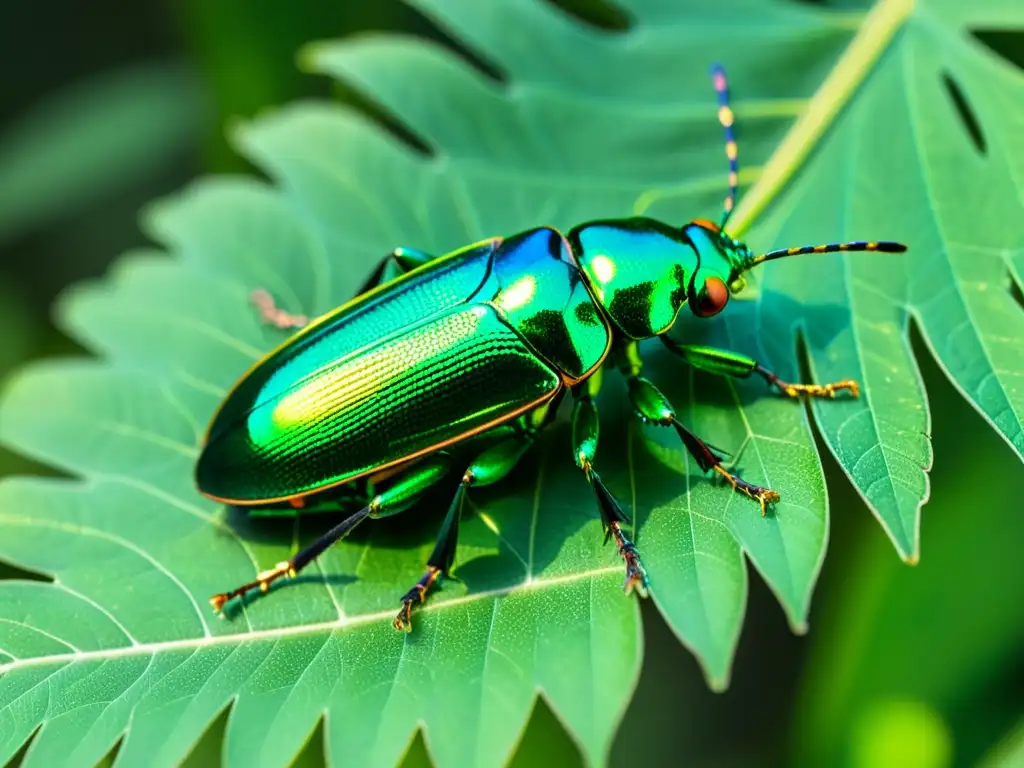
x: 726, y: 363
x: 585, y: 429
x: 395, y: 264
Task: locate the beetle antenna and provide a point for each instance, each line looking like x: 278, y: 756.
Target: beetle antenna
x: 725, y: 117
x: 884, y: 246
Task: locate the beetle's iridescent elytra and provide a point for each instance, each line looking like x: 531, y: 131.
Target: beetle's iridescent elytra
x: 448, y: 368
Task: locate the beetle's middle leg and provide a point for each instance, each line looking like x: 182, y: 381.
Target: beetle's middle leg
x: 652, y: 407
x: 726, y: 363
x: 396, y: 263
x: 585, y: 429
x: 489, y: 467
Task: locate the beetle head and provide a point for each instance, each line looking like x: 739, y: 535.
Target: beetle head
x: 722, y: 261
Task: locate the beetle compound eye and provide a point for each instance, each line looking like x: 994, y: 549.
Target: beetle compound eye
x: 712, y: 298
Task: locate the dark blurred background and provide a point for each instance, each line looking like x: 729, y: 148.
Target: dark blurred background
x: 108, y: 104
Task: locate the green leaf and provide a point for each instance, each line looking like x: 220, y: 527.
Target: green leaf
x: 1009, y: 751
x: 900, y: 162
x: 587, y: 124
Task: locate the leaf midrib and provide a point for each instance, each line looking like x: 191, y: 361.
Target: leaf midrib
x: 871, y: 41
x: 279, y: 633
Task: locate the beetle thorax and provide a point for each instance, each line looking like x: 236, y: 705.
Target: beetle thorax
x: 639, y: 270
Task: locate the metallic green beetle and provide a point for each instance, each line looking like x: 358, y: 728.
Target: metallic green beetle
x: 455, y: 363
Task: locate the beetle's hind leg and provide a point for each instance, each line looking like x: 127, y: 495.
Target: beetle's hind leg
x: 440, y: 561
x: 585, y: 429
x: 726, y: 363
x: 395, y: 264
x: 290, y: 568
x: 399, y: 496
x: 489, y: 467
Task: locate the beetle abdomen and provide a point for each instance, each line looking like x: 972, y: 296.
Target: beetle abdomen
x: 449, y: 281
x: 426, y: 385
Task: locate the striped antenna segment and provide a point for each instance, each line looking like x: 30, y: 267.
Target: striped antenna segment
x: 725, y: 117
x: 859, y: 245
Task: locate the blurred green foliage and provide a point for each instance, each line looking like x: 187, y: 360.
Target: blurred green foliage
x: 902, y: 666
x: 925, y: 658
x: 63, y: 157
x: 247, y: 50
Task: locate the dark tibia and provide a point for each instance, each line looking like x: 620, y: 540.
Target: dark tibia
x: 415, y: 596
x: 585, y: 433
x: 607, y: 504
x: 489, y: 467
x: 636, y: 576
x: 291, y: 568
x: 654, y: 408
x: 440, y: 561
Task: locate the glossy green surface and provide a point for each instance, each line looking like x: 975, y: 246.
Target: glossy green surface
x: 399, y: 372
x: 720, y: 361
x: 643, y: 271
x: 446, y: 282
x: 586, y: 429
x: 410, y: 485
x: 456, y: 346
x: 494, y: 464
x: 640, y: 270
x: 648, y: 401
x: 429, y: 383
x: 718, y: 255
x: 539, y: 288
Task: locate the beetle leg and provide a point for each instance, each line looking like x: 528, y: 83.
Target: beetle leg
x: 585, y: 430
x: 489, y: 467
x: 396, y: 263
x: 440, y: 561
x: 814, y: 390
x: 726, y: 363
x: 399, y: 496
x: 416, y: 595
x: 654, y: 408
x: 291, y: 568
